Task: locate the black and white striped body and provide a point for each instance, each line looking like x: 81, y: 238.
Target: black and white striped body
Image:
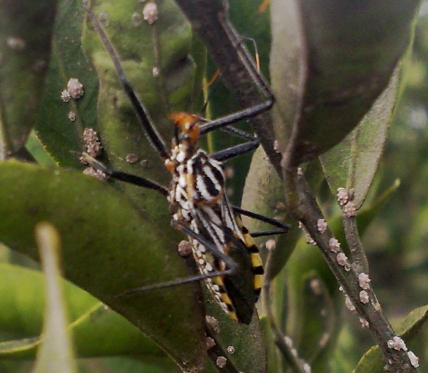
x: 197, y: 196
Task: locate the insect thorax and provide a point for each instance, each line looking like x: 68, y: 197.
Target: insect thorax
x: 197, y: 180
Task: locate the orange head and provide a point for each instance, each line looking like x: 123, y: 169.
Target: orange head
x: 189, y: 125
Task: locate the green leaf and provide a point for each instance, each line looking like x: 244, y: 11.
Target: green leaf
x: 25, y: 37
x: 61, y: 137
x: 108, y: 247
x: 244, y: 345
x: 97, y: 330
x: 287, y: 67
x: 408, y: 329
x: 352, y: 163
x: 329, y: 62
x: 56, y: 352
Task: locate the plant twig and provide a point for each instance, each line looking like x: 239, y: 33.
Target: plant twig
x: 296, y: 364
x: 303, y: 207
x: 359, y: 258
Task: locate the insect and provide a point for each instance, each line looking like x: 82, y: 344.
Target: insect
x: 223, y: 249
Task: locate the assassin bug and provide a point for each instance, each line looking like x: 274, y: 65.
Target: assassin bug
x: 223, y: 249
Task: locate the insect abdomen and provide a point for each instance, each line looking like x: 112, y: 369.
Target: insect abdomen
x: 256, y: 260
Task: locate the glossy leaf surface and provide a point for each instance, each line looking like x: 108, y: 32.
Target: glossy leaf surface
x: 352, y: 163
x: 25, y: 37
x: 108, y: 247
x: 329, y: 62
x: 97, y: 330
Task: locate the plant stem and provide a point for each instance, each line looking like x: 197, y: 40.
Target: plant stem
x: 359, y: 257
x: 295, y: 363
x: 302, y: 206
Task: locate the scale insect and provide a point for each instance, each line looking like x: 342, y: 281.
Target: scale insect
x: 223, y: 249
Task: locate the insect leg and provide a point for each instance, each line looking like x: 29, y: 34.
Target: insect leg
x: 208, y: 245
x: 244, y: 114
x: 283, y: 227
x: 235, y: 151
x: 125, y: 177
x: 141, y: 112
x: 250, y: 145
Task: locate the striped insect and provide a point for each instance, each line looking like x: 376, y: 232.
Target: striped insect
x: 223, y: 249
x: 197, y: 192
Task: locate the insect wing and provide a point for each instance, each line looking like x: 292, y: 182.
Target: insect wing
x: 239, y: 285
x: 236, y: 291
